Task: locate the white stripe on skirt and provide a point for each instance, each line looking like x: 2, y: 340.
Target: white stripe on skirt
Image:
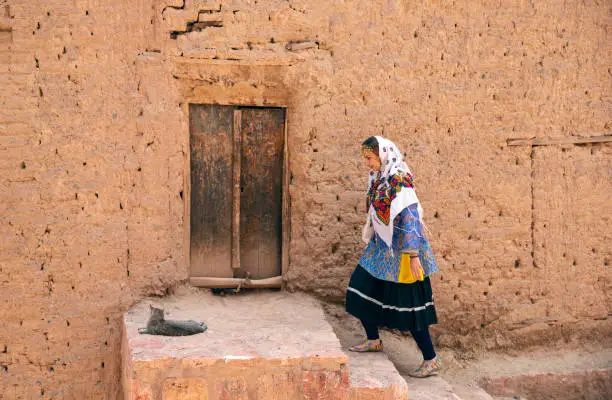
x: 428, y: 304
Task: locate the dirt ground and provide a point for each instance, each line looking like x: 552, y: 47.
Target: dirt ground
x: 463, y: 370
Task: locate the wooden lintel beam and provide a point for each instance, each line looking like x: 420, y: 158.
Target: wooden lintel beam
x: 226, y: 283
x: 559, y: 141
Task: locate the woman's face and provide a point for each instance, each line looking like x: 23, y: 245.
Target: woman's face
x: 371, y: 160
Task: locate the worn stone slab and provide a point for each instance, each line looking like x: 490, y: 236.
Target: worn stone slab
x: 431, y: 388
x: 574, y: 385
x: 373, y: 377
x: 257, y: 346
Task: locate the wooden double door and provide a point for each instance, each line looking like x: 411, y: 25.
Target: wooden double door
x: 237, y: 174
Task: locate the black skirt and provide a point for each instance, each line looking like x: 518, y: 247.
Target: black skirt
x: 394, y: 305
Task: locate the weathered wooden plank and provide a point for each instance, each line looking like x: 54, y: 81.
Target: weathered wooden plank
x: 286, y: 220
x: 237, y: 132
x: 262, y: 162
x: 211, y: 190
x: 559, y: 141
x: 273, y: 282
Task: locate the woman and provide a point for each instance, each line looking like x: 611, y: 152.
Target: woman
x: 390, y: 286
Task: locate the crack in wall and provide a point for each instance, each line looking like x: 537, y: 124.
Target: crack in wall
x: 182, y: 7
x: 533, y: 244
x: 198, y: 25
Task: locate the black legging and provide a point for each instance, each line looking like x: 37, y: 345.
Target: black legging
x: 422, y: 339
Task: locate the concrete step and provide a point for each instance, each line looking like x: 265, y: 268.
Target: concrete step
x: 258, y: 346
x: 470, y: 391
x: 589, y: 384
x: 373, y: 377
x: 401, y: 355
x: 538, y: 373
x: 430, y: 388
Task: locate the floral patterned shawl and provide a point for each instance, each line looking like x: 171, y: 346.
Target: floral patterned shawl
x: 390, y: 190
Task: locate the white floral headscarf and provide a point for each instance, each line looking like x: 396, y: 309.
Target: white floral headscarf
x: 392, y: 163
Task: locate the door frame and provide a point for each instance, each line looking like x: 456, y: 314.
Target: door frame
x: 210, y: 282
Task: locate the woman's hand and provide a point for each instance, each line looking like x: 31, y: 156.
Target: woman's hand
x: 416, y: 268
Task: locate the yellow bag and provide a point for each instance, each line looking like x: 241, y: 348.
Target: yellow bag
x: 405, y: 272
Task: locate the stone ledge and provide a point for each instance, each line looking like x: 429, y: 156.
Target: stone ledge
x: 587, y: 384
x: 373, y: 377
x: 260, y: 345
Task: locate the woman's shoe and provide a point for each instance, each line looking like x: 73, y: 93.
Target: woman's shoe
x: 427, y: 368
x: 368, y: 346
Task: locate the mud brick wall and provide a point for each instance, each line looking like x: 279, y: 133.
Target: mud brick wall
x: 94, y: 140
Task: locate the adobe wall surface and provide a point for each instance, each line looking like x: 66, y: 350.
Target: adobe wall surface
x: 94, y: 171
